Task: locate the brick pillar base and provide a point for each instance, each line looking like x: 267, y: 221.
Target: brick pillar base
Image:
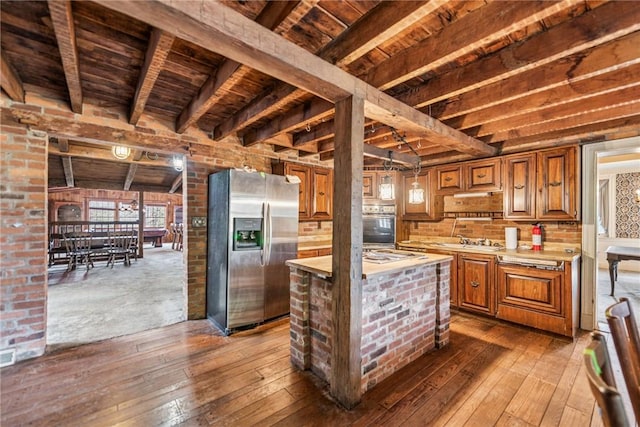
x: 443, y: 301
x: 299, y: 319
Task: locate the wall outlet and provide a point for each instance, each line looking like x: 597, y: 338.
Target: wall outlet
x: 199, y: 221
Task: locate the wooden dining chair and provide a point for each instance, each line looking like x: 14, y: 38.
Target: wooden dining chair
x: 78, y: 246
x: 624, y: 332
x: 602, y: 383
x: 120, y: 243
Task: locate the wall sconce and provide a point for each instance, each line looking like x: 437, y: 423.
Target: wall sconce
x: 386, y: 190
x: 178, y: 163
x: 120, y: 152
x: 416, y: 194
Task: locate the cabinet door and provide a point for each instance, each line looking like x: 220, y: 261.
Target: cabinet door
x: 530, y: 288
x: 475, y: 283
x: 557, y: 191
x: 519, y: 193
x: 369, y: 185
x: 430, y: 208
x: 448, y: 179
x: 322, y: 193
x: 304, y: 173
x: 484, y: 176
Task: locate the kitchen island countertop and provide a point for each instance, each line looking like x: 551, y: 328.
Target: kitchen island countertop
x: 322, y: 265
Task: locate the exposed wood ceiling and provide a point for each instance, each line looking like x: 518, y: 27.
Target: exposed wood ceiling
x: 457, y: 79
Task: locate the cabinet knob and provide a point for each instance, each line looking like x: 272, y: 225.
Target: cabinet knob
x: 475, y: 284
x: 482, y: 175
x: 518, y: 187
x: 447, y: 179
x: 554, y: 184
x: 321, y: 193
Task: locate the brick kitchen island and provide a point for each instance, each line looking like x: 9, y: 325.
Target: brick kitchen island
x: 405, y: 313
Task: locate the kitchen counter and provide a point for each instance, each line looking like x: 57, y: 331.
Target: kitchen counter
x: 322, y: 267
x: 555, y: 252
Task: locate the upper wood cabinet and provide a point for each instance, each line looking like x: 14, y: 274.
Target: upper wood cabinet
x: 315, y: 194
x: 431, y: 208
x: 369, y: 184
x: 481, y: 175
x: 542, y: 185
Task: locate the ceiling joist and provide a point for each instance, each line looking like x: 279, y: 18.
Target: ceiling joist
x: 10, y: 80
x: 68, y: 171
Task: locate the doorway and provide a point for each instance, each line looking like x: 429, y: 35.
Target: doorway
x: 595, y: 278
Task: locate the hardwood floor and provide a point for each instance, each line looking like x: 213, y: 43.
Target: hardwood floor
x: 491, y: 374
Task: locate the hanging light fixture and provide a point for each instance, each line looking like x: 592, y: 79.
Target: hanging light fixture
x: 120, y: 152
x: 386, y: 191
x: 178, y: 163
x: 416, y: 194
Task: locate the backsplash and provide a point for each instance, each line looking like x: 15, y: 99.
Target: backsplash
x: 313, y: 231
x: 553, y: 232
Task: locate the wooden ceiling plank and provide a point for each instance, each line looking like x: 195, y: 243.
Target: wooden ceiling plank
x: 68, y: 171
x: 208, y: 95
x: 343, y: 50
x: 590, y: 29
x: 131, y: 173
x: 597, y: 116
x: 10, y: 80
x: 562, y: 111
x: 63, y: 26
x: 158, y: 49
x: 177, y: 183
x: 611, y: 56
x: 475, y: 30
x: 581, y: 90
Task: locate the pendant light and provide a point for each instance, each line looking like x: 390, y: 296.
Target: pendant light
x: 416, y: 194
x: 386, y: 190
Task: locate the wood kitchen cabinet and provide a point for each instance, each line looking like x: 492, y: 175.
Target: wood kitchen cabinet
x: 543, y: 299
x: 542, y: 185
x: 315, y: 194
x: 369, y: 184
x: 476, y: 289
x: 431, y: 208
x: 480, y: 175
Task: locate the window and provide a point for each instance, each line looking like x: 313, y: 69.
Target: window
x: 155, y: 216
x: 102, y: 210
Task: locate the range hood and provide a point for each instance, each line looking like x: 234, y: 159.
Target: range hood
x: 471, y: 205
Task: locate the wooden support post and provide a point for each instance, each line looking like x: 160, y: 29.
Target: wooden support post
x: 346, y: 372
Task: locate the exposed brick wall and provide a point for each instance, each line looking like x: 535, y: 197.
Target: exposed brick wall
x: 23, y: 218
x: 404, y: 315
x: 554, y: 232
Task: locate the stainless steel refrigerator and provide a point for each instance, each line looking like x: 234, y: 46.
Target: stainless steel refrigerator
x: 253, y: 230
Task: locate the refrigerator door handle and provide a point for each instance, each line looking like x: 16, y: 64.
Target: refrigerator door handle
x: 268, y: 233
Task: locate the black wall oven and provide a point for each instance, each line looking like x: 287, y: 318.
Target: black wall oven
x: 378, y: 226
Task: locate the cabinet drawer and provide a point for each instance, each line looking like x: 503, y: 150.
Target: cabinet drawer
x: 534, y: 289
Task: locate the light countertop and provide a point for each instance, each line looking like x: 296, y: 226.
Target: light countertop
x: 322, y: 265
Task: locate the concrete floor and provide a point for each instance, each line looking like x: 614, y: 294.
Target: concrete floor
x: 627, y: 285
x: 107, y: 302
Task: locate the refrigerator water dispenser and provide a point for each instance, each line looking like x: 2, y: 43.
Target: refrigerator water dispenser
x: 247, y: 234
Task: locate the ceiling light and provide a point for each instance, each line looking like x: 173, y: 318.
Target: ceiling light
x: 120, y: 152
x: 178, y: 163
x: 386, y: 191
x: 416, y: 194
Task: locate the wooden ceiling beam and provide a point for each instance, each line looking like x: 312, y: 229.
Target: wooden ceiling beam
x: 477, y: 29
x: 586, y: 89
x: 352, y: 43
x: 209, y: 94
x: 601, y: 115
x: 611, y: 56
x: 220, y: 29
x: 562, y: 111
x: 598, y: 26
x: 109, y: 185
x: 177, y: 183
x: 131, y: 173
x: 68, y: 171
x: 381, y: 153
x: 158, y: 49
x: 63, y: 145
x: 10, y: 80
x: 63, y: 26
x: 85, y: 152
x: 628, y: 126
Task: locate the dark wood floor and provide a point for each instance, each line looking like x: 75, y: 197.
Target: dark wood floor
x: 491, y: 374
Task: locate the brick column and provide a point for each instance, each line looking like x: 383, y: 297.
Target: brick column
x: 23, y: 242
x: 299, y: 319
x: 443, y: 304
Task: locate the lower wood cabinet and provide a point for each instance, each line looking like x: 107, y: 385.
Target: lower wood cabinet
x: 543, y: 299
x: 476, y: 290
